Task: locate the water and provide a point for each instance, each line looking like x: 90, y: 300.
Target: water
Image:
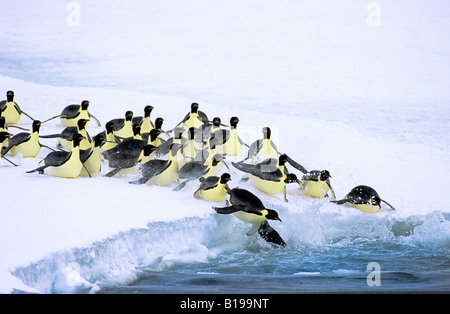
x: 328, y: 250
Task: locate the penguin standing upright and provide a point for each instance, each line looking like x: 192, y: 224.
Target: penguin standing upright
x: 228, y: 141
x: 123, y: 128
x: 62, y: 163
x: 110, y: 139
x: 11, y: 110
x: 147, y: 124
x: 249, y: 208
x: 364, y: 198
x: 72, y: 113
x: 263, y: 148
x: 25, y: 143
x: 270, y: 175
x: 194, y: 118
x: 213, y: 188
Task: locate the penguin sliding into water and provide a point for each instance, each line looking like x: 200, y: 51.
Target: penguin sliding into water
x: 314, y: 183
x: 61, y: 163
x: 11, y: 110
x: 364, y: 198
x: 72, y: 113
x: 249, y: 208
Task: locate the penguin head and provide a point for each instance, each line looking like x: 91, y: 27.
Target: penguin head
x: 224, y: 178
x: 291, y: 178
x: 36, y: 126
x: 76, y: 139
x: 98, y: 140
x: 158, y: 123
x: 109, y: 127
x: 136, y: 129
x: 84, y: 105
x: 148, y: 149
x: 216, y: 121
x: 233, y: 122
x: 148, y: 110
x: 218, y: 158
x: 194, y: 107
x: 82, y: 124
x: 4, y: 136
x: 178, y: 132
x: 375, y: 201
x: 282, y: 159
x: 2, y: 120
x: 129, y: 115
x: 272, y: 214
x: 154, y: 134
x: 266, y: 132
x: 174, y: 148
x: 10, y: 95
x: 324, y: 175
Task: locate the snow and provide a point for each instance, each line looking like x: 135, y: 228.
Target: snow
x: 370, y: 104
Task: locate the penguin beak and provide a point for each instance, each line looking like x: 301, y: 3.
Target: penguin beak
x: 278, y: 219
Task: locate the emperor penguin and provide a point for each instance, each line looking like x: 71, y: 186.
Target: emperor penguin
x: 364, y: 198
x: 263, y: 148
x: 249, y: 208
x: 25, y: 143
x: 110, y: 139
x: 4, y: 141
x: 65, y: 137
x: 72, y: 113
x: 189, y: 149
x: 158, y: 126
x: 213, y: 188
x: 123, y: 128
x: 62, y: 163
x: 270, y: 175
x: 91, y: 158
x: 196, y: 169
x: 314, y: 183
x: 3, y: 126
x: 160, y: 171
x: 203, y: 134
x: 146, y: 123
x: 228, y: 141
x: 11, y: 110
x: 194, y: 118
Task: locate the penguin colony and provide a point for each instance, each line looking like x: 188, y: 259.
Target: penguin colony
x: 193, y: 151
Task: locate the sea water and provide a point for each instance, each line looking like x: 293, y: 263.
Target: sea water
x: 195, y: 54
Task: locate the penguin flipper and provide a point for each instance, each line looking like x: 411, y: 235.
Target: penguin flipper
x: 96, y: 120
x: 388, y: 204
x: 181, y: 185
x: 340, y: 202
x: 296, y: 165
x: 270, y: 235
x: 228, y: 210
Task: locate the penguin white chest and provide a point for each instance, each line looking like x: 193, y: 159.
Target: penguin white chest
x: 167, y: 176
x: 251, y: 218
x: 269, y: 187
x: 29, y: 149
x: 214, y: 195
x: 70, y: 169
x: 12, y: 116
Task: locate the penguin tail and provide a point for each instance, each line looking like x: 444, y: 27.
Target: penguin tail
x: 51, y: 118
x: 180, y: 186
x: 270, y: 235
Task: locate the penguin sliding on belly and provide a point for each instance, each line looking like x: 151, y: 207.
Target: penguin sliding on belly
x: 213, y: 188
x: 72, y: 113
x: 364, y: 198
x: 314, y: 183
x: 11, y: 110
x: 249, y: 208
x: 61, y: 163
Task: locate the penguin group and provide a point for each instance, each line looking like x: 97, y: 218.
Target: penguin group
x: 193, y: 152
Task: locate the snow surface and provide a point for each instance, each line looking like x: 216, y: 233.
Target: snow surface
x: 370, y: 104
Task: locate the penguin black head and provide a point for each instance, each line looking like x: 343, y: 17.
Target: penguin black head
x: 266, y: 132
x: 4, y: 136
x: 2, y: 120
x: 148, y: 110
x: 158, y: 123
x: 76, y: 139
x: 324, y: 175
x: 10, y: 95
x: 129, y: 115
x: 234, y: 121
x: 136, y: 129
x: 216, y: 121
x: 291, y: 178
x: 154, y: 134
x: 272, y: 214
x: 82, y: 123
x: 224, y: 178
x: 148, y: 149
x: 36, y: 125
x: 109, y: 127
x: 194, y: 107
x: 84, y: 105
x: 282, y: 159
x: 98, y: 140
x: 174, y: 148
